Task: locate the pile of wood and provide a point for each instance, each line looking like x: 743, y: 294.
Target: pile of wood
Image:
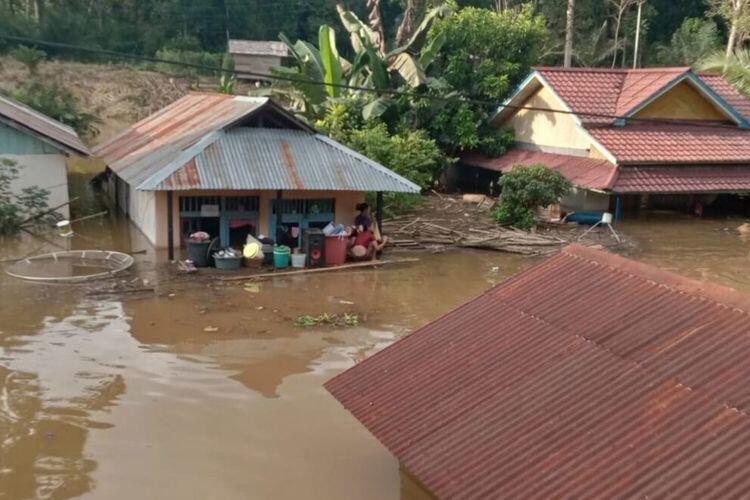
x: 444, y: 221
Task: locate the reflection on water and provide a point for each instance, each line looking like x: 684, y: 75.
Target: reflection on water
x: 209, y: 391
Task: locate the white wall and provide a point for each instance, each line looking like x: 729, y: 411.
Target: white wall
x: 47, y: 171
x: 582, y: 200
x: 142, y: 209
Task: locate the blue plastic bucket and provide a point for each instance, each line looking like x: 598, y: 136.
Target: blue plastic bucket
x: 281, y: 257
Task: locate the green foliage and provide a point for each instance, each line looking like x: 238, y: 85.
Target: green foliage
x: 58, y: 103
x: 486, y: 53
x: 198, y: 58
x: 411, y: 154
x: 736, y: 68
x: 695, y: 39
x: 14, y: 209
x: 525, y: 188
x: 29, y: 56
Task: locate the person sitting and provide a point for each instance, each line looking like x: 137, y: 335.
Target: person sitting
x: 365, y: 246
x: 363, y: 221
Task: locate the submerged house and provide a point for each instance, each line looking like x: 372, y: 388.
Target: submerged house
x: 586, y: 376
x: 40, y: 146
x: 233, y: 166
x: 254, y: 58
x: 629, y: 138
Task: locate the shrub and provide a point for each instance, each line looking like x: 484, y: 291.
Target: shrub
x: 58, y: 103
x: 29, y: 56
x: 525, y: 188
x: 14, y: 209
x: 198, y: 58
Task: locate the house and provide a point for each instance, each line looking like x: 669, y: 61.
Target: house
x: 39, y: 145
x: 655, y: 137
x: 253, y: 58
x: 587, y: 376
x: 232, y: 166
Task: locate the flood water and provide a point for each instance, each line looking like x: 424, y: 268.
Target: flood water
x: 206, y: 389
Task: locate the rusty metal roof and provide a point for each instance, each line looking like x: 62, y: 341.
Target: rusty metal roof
x: 258, y: 48
x: 587, y: 376
x: 49, y: 130
x: 152, y: 144
x: 264, y: 158
x: 199, y: 142
x: 683, y: 179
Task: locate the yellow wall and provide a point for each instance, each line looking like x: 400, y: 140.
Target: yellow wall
x: 545, y: 128
x: 682, y: 102
x: 345, y: 208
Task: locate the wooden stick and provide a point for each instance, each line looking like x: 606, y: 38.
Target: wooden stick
x: 369, y: 263
x: 87, y: 217
x: 35, y: 217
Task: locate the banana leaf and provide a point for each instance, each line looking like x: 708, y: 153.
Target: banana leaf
x: 409, y: 69
x: 377, y: 108
x: 332, y: 72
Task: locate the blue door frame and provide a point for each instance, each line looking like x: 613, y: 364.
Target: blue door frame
x: 300, y: 212
x: 228, y: 211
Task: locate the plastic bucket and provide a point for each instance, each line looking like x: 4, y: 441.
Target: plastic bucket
x: 281, y: 257
x: 335, y: 251
x: 198, y: 252
x: 298, y: 259
x: 228, y: 262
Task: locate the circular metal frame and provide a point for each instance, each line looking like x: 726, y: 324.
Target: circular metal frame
x: 121, y: 262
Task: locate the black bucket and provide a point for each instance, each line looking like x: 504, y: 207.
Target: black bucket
x: 198, y: 252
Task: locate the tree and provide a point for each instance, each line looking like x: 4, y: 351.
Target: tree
x: 736, y: 68
x: 569, y: 28
x: 621, y: 6
x: 525, y: 188
x: 736, y: 13
x: 691, y: 43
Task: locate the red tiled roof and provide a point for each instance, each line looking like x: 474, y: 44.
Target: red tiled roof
x: 665, y: 143
x: 683, y: 179
x: 615, y: 92
x: 727, y: 92
x: 587, y: 376
x: 585, y: 172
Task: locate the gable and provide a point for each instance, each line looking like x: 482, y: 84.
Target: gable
x: 682, y: 102
x: 16, y: 142
x: 547, y: 128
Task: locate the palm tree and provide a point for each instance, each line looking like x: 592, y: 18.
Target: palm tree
x: 736, y: 68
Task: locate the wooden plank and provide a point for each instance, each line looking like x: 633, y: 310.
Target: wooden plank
x: 369, y: 263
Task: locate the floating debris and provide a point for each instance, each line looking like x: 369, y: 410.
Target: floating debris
x: 334, y: 319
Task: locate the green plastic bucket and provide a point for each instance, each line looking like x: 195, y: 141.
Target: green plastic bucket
x: 281, y: 257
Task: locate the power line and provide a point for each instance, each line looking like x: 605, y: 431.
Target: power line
x: 388, y: 92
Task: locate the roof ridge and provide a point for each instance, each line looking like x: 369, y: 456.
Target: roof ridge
x: 721, y: 295
x: 653, y: 69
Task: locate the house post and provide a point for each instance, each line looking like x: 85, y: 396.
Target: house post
x: 278, y: 217
x: 379, y: 210
x: 170, y: 225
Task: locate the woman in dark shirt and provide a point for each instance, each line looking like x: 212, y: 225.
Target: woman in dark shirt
x: 363, y: 221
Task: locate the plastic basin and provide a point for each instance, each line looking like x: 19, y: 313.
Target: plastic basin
x: 228, y: 262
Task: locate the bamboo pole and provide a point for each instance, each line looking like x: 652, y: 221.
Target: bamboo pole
x: 369, y: 263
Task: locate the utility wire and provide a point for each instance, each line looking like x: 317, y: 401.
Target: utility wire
x: 389, y: 92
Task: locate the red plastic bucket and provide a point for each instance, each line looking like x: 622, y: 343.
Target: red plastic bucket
x: 335, y: 250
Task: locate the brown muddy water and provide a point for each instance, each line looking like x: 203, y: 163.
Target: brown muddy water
x: 122, y: 396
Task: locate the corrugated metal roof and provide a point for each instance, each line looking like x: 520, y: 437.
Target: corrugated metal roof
x: 191, y: 144
x: 683, y: 179
x: 24, y: 118
x: 585, y: 172
x: 258, y: 48
x: 587, y: 376
x: 263, y: 158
